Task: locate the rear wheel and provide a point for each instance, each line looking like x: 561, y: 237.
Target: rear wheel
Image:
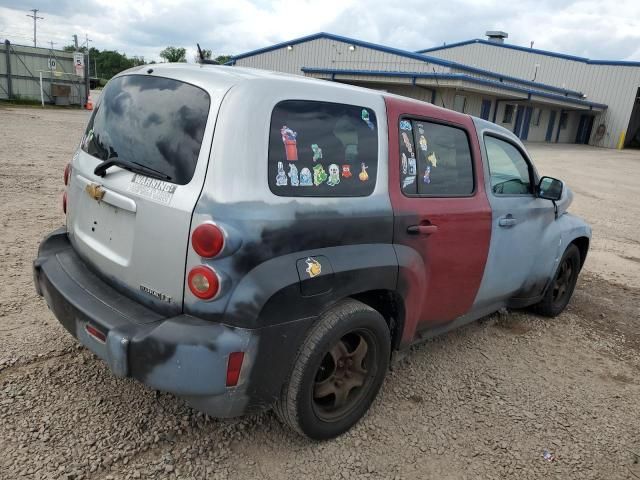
x: 561, y: 288
x: 338, y: 371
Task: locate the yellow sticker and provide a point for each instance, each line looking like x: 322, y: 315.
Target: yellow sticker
x: 314, y: 267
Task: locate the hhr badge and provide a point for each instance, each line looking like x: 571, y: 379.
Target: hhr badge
x: 95, y: 191
x: 314, y: 267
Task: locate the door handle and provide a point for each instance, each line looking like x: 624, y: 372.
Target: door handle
x: 507, y: 221
x: 422, y: 229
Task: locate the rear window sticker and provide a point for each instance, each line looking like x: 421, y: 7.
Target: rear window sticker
x: 317, y: 152
x: 407, y: 142
x: 404, y: 164
x: 314, y: 267
x: 432, y: 159
x: 334, y: 175
x: 290, y: 144
x: 363, y: 175
x: 423, y: 143
x: 405, y: 125
x: 152, y: 188
x: 365, y: 117
x: 281, y: 177
x: 319, y: 175
x: 293, y: 175
x: 408, y: 181
x: 305, y: 177
x: 427, y: 175
x: 420, y: 129
x: 346, y: 171
x: 412, y: 170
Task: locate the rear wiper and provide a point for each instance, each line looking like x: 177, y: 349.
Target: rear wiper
x: 114, y: 161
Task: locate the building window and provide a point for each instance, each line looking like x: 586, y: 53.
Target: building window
x: 564, y: 116
x: 459, y: 102
x: 435, y: 160
x: 508, y: 113
x: 535, y: 118
x: 322, y: 149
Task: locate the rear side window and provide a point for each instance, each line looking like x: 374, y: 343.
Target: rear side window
x: 321, y: 149
x: 435, y: 160
x: 156, y: 122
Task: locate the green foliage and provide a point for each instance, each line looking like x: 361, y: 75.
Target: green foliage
x: 174, y: 54
x: 223, y: 59
x: 206, y: 54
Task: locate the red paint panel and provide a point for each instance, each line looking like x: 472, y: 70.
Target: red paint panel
x: 440, y: 272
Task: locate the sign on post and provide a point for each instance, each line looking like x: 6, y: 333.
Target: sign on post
x: 52, y: 63
x: 78, y: 61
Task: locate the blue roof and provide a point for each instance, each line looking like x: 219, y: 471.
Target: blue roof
x: 457, y: 76
x: 407, y: 54
x: 564, y: 56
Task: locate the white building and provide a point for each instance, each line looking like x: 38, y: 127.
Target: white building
x: 539, y: 95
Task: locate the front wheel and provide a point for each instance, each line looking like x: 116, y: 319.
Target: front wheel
x: 561, y: 288
x: 338, y: 372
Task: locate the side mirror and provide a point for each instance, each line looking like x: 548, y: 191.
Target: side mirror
x: 550, y: 188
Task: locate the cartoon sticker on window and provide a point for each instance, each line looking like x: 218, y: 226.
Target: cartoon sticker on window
x: 365, y: 117
x: 404, y: 164
x: 432, y: 159
x: 420, y: 129
x: 319, y: 175
x: 317, y: 152
x: 407, y: 142
x: 363, y: 175
x: 346, y: 171
x: 281, y: 177
x: 408, y: 181
x: 412, y: 170
x: 293, y: 175
x: 305, y: 177
x: 405, y: 125
x: 290, y: 144
x: 334, y: 175
x: 423, y: 143
x: 426, y: 178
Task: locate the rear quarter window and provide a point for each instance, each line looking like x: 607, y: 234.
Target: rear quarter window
x: 322, y: 149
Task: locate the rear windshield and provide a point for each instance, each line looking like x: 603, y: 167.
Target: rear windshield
x: 156, y: 122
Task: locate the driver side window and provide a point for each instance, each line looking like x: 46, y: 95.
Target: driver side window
x: 509, y: 171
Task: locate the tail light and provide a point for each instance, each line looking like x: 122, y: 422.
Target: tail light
x: 203, y: 282
x: 67, y: 173
x: 64, y: 202
x: 207, y: 240
x: 234, y: 366
x: 95, y: 333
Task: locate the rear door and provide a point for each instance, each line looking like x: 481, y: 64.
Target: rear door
x: 132, y: 224
x: 442, y: 218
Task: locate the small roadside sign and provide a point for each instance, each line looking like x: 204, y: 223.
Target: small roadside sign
x: 78, y: 62
x: 52, y: 63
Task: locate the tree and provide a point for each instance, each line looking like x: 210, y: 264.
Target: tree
x: 174, y: 54
x: 221, y: 59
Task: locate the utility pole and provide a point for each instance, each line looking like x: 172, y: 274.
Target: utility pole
x: 52, y: 44
x: 87, y: 40
x: 35, y: 19
x: 75, y: 42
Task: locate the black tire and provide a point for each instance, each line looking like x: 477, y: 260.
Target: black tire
x: 313, y: 400
x: 561, y: 288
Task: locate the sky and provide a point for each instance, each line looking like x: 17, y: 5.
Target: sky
x: 600, y: 29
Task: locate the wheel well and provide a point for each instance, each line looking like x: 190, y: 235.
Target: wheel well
x: 583, y: 246
x: 390, y: 306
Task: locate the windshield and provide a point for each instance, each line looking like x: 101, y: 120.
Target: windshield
x: 154, y: 122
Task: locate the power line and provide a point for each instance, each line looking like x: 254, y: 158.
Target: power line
x: 35, y: 19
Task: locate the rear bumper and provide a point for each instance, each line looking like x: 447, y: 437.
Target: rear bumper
x: 183, y: 355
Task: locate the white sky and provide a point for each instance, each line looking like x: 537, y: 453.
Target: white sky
x: 598, y: 29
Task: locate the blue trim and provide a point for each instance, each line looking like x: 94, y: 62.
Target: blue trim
x: 455, y: 76
x: 622, y: 63
x: 406, y: 54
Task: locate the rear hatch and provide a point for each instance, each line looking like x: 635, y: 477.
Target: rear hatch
x: 130, y: 218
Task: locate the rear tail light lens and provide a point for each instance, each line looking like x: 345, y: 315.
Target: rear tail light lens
x: 203, y: 282
x: 67, y: 173
x: 234, y: 366
x: 95, y: 333
x: 64, y: 202
x: 207, y: 240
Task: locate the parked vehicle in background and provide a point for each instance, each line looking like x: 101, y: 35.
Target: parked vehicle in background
x: 246, y: 239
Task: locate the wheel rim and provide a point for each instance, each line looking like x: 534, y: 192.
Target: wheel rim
x: 562, y: 282
x: 344, y: 376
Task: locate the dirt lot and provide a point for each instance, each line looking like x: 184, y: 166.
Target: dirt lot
x: 481, y: 402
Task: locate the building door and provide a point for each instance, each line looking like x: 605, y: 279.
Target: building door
x: 524, y: 132
x: 485, y: 109
x: 584, y: 129
x: 518, y: 123
x: 552, y: 122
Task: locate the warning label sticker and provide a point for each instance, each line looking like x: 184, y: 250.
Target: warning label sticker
x: 151, y: 188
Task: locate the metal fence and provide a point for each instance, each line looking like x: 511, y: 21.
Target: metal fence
x: 40, y: 74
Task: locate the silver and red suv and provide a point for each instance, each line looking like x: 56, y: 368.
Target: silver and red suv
x: 246, y: 239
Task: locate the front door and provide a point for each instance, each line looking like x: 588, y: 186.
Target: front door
x: 584, y: 129
x: 485, y: 109
x: 442, y: 218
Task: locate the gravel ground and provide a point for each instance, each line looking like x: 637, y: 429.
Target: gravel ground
x: 481, y: 402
